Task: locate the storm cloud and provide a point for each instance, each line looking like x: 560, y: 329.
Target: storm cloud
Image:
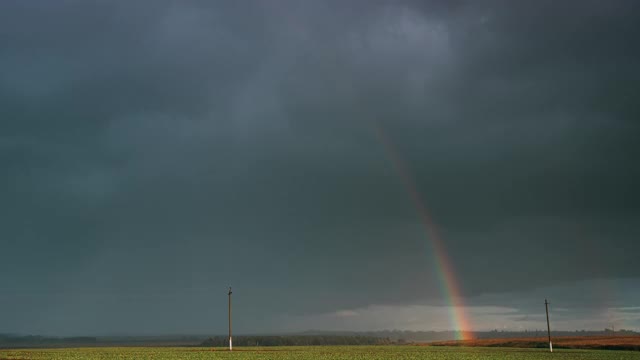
x: 153, y: 153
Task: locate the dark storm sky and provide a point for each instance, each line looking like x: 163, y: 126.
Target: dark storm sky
x: 154, y: 152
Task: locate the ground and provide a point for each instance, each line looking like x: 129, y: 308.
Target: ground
x: 319, y: 352
x: 611, y: 342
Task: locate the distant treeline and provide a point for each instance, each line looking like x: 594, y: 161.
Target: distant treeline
x: 406, y: 336
x: 496, y: 334
x: 7, y: 340
x: 305, y: 338
x: 37, y: 341
x: 296, y: 340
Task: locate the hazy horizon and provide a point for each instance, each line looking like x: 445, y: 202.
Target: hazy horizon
x: 316, y: 332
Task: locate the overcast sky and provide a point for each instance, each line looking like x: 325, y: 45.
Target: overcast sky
x: 153, y: 153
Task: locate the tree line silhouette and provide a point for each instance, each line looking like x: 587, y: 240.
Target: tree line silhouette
x: 295, y: 340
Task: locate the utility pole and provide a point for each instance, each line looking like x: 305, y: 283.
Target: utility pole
x: 546, y: 307
x: 230, y: 341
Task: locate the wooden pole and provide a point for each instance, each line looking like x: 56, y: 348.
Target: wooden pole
x: 546, y: 307
x: 230, y: 341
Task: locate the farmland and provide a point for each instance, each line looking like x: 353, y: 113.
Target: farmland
x: 567, y: 342
x: 316, y: 352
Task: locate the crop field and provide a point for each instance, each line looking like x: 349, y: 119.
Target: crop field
x: 566, y: 342
x: 318, y: 352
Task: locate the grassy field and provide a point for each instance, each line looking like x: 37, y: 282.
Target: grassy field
x: 319, y: 352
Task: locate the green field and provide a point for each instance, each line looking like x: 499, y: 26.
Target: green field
x: 317, y: 352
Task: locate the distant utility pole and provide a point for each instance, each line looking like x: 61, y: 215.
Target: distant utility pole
x: 230, y: 341
x: 546, y: 307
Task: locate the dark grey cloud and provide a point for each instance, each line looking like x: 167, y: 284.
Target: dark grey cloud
x: 156, y: 149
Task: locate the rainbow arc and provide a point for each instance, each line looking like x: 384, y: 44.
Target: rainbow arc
x: 444, y: 267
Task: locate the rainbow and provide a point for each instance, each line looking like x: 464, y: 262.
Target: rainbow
x: 444, y: 268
